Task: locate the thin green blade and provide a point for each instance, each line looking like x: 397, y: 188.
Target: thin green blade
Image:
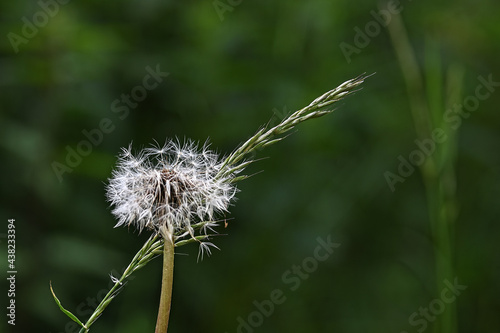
x: 66, y: 312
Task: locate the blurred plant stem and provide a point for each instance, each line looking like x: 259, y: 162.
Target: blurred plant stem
x: 438, y: 171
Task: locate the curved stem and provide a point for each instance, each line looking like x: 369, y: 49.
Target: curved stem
x: 166, y: 284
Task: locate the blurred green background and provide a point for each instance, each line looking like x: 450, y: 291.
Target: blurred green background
x: 233, y: 65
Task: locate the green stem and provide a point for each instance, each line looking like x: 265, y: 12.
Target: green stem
x: 438, y: 170
x: 440, y: 230
x: 166, y: 285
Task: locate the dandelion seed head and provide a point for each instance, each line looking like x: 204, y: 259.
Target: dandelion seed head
x: 172, y: 186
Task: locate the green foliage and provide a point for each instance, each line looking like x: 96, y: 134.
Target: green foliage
x: 263, y: 60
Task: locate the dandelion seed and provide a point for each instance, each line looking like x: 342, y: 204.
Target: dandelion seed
x: 205, y: 248
x: 115, y: 280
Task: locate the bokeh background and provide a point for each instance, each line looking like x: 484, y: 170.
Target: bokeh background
x: 233, y: 65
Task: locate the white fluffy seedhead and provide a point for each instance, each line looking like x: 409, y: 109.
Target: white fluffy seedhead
x: 170, y: 187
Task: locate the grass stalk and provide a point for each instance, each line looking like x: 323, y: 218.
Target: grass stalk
x: 427, y: 107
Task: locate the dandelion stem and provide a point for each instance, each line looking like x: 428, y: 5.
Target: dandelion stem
x: 166, y: 284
